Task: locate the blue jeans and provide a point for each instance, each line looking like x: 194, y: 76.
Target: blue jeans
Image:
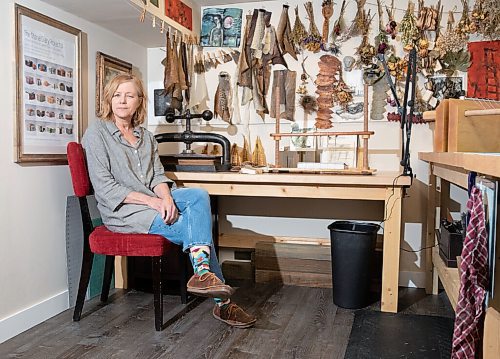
x: 194, y: 225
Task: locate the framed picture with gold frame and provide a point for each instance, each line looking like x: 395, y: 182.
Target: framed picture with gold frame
x: 49, y: 97
x: 107, y: 67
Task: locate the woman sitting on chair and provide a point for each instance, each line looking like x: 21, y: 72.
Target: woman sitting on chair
x: 134, y: 195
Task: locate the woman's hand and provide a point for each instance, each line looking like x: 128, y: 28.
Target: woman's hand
x: 166, y: 207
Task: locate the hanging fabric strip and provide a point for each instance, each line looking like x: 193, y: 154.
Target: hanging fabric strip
x: 285, y: 80
x: 473, y: 283
x: 284, y: 34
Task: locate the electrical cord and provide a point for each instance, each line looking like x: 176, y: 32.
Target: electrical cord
x: 419, y: 250
x: 390, y: 214
x: 388, y: 199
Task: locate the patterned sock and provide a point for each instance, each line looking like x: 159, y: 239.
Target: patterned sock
x: 221, y: 303
x: 200, y: 257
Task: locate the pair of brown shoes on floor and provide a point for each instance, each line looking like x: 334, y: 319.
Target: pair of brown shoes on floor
x: 209, y: 285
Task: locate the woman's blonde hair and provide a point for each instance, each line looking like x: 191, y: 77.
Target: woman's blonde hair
x: 106, y: 112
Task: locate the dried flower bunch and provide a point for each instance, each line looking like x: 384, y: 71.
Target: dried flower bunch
x: 492, y: 25
x: 313, y: 41
x: 299, y: 32
x: 339, y: 27
x: 366, y: 52
x: 408, y: 28
x: 342, y: 94
x: 451, y: 41
x: 478, y: 18
x: 397, y: 67
x: 308, y: 104
x: 391, y: 26
x: 381, y: 40
x: 360, y: 22
x: 464, y: 24
x: 423, y: 47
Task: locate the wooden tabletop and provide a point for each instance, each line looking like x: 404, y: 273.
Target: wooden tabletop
x: 378, y: 179
x: 483, y: 163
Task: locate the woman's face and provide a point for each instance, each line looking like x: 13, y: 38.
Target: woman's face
x: 125, y: 101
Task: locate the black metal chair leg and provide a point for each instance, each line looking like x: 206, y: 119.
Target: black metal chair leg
x: 157, y: 292
x: 106, y: 280
x: 88, y: 258
x: 183, y: 278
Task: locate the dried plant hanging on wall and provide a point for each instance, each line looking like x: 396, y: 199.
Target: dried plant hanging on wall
x: 381, y: 40
x: 339, y: 32
x: 450, y: 41
x: 464, y: 24
x: 358, y: 24
x: 428, y: 16
x: 492, y: 23
x: 327, y: 12
x: 223, y: 98
x: 308, y: 104
x: 391, y: 26
x: 430, y: 63
x: 408, y: 28
x: 455, y: 61
x: 478, y: 18
x: 365, y: 51
x: 284, y: 34
x: 299, y: 32
x: 313, y: 41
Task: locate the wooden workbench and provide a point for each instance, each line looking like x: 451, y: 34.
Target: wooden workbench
x: 382, y: 186
x: 453, y: 168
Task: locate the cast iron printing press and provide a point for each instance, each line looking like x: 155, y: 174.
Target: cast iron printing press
x: 188, y: 160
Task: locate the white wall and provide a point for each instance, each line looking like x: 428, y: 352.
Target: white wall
x: 33, y: 278
x: 303, y: 217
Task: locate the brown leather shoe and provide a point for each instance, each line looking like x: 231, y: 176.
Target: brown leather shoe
x: 208, y: 285
x: 234, y: 316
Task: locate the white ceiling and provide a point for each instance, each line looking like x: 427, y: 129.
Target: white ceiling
x: 122, y: 17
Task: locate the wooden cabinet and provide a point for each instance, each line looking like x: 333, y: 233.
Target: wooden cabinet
x: 453, y: 168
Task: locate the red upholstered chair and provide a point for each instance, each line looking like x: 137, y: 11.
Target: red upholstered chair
x: 100, y: 240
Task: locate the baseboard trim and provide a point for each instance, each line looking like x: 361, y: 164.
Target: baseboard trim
x: 412, y: 279
x: 31, y: 316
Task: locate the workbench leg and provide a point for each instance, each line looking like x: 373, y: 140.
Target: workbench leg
x: 435, y: 281
x: 392, y: 243
x: 121, y: 277
x: 431, y: 232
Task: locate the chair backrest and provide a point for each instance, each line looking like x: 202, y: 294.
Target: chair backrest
x: 78, y: 168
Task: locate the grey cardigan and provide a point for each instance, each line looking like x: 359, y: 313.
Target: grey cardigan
x: 117, y: 168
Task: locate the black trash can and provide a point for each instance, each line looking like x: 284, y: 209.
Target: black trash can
x: 353, y: 246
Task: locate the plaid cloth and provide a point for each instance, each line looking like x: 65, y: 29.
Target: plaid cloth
x: 473, y: 283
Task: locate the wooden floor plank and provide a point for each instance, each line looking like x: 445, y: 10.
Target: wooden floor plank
x: 293, y: 322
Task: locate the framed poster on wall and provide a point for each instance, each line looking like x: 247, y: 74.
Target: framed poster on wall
x: 48, y: 101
